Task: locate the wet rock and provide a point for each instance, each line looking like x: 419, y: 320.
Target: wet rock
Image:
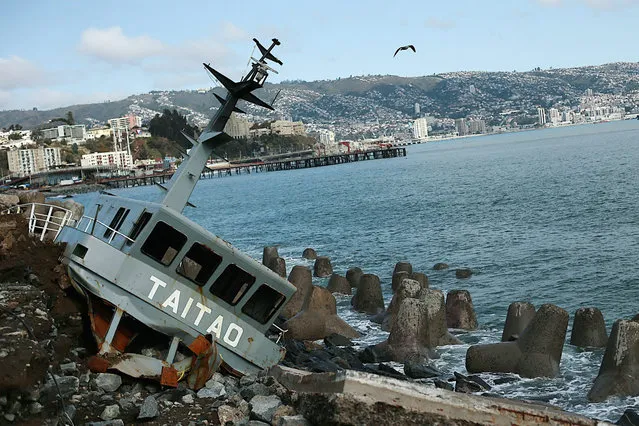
x: 470, y: 384
x: 108, y: 382
x: 269, y: 255
x: 335, y: 339
x: 212, y: 390
x: 463, y: 273
x: 502, y: 380
x: 110, y: 412
x: 630, y: 417
x: 519, y: 316
x: 298, y: 420
x: 441, y: 384
x: 403, y: 267
x: 589, y: 329
x: 369, y: 297
x: 460, y: 312
x: 353, y: 275
x: 537, y: 353
x: 440, y: 266
x: 416, y: 370
x: 309, y: 253
x: 302, y: 279
x: 619, y: 371
x: 149, y: 408
x: 263, y: 407
x: 322, y: 267
x: 373, y: 354
x: 338, y: 284
x: 278, y: 265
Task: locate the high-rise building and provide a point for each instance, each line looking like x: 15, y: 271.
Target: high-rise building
x: 77, y: 132
x: 541, y: 116
x: 462, y: 127
x: 327, y: 137
x: 554, y: 115
x: 417, y: 109
x: 29, y: 161
x: 120, y: 128
x: 288, y: 128
x: 237, y: 127
x: 477, y: 127
x: 420, y: 128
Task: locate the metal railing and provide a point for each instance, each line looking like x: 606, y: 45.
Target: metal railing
x: 42, y: 218
x: 90, y: 227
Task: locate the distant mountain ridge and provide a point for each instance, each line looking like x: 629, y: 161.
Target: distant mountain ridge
x: 374, y: 98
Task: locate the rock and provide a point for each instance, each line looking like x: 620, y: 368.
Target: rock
x: 463, y: 273
x: 338, y: 284
x: 470, y: 384
x: 416, y: 370
x: 188, y: 399
x: 68, y: 386
x: 149, y: 408
x: 282, y: 411
x: 212, y: 390
x: 27, y: 197
x: 269, y: 254
x: 619, y: 371
x: 8, y: 200
x: 278, y: 265
x: 249, y: 379
x: 460, y: 312
x: 519, y: 316
x: 263, y: 407
x: 114, y: 422
x: 253, y: 390
x: 403, y: 267
x: 108, y: 382
x: 110, y: 412
x: 589, y: 329
x: 374, y: 354
x: 234, y: 415
x: 537, y: 353
x: 322, y: 267
x: 353, y: 275
x: 397, y: 279
x: 630, y: 417
x: 10, y: 417
x: 298, y: 420
x: 369, y: 297
x: 301, y: 278
x: 335, y: 339
x: 309, y: 253
x: 440, y: 266
x: 443, y: 385
x: 421, y: 278
x: 68, y: 368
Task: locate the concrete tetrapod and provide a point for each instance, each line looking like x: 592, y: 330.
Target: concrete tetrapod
x: 353, y: 275
x: 536, y: 353
x: 519, y: 316
x: 407, y: 289
x: 301, y: 278
x: 589, y: 329
x: 269, y: 255
x: 403, y: 266
x: 368, y: 297
x: 460, y: 312
x: 619, y: 371
x: 397, y: 279
x: 338, y: 284
x: 322, y: 267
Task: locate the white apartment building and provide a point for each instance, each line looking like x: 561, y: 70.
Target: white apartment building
x: 77, y: 132
x: 541, y: 116
x: 288, y: 128
x: 477, y: 127
x: 420, y: 128
x: 98, y: 132
x: 327, y: 137
x: 555, y: 116
x: 114, y: 158
x: 29, y: 161
x: 237, y: 127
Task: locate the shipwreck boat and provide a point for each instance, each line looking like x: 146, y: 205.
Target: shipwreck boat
x: 146, y: 263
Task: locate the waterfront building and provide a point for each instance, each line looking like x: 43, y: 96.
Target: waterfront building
x: 29, y: 161
x: 420, y: 129
x: 462, y: 127
x: 554, y: 116
x: 237, y: 127
x: 541, y: 116
x: 477, y: 127
x: 288, y: 128
x: 120, y: 159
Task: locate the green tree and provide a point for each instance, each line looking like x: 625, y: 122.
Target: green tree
x: 169, y: 125
x: 74, y: 148
x: 15, y: 136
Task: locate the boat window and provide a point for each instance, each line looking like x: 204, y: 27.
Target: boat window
x: 232, y: 284
x: 139, y: 226
x: 164, y: 243
x: 199, y: 263
x: 80, y: 251
x: 263, y: 304
x: 116, y: 222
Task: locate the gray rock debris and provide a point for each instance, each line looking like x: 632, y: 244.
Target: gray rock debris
x: 263, y: 407
x: 108, y: 382
x: 149, y: 408
x: 110, y: 412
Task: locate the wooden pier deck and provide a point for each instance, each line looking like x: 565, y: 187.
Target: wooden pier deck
x: 256, y: 167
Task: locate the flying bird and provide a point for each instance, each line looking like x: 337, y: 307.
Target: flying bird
x: 410, y: 46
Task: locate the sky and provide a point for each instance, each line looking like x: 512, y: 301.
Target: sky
x: 60, y: 53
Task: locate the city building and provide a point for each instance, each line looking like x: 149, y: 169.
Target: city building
x: 462, y: 127
x: 477, y: 127
x: 75, y: 133
x: 554, y: 116
x: 120, y: 159
x: 541, y: 116
x: 98, y: 132
x: 327, y: 137
x: 256, y: 133
x: 288, y: 128
x: 29, y: 161
x: 420, y: 129
x: 121, y: 127
x: 417, y: 109
x: 237, y: 127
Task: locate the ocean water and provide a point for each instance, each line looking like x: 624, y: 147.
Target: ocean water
x: 546, y: 216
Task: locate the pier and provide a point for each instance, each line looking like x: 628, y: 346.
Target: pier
x: 257, y: 166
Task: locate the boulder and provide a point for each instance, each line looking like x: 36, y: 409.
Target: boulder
x: 440, y: 266
x: 397, y: 279
x: 27, y: 197
x: 269, y: 254
x: 630, y: 417
x: 149, y: 409
x: 338, y: 284
x: 353, y: 275
x: 537, y: 352
x: 619, y: 371
x: 416, y: 370
x: 463, y: 273
x: 8, y: 200
x: 108, y: 382
x: 589, y: 329
x: 76, y: 209
x: 278, y: 265
x: 368, y: 297
x: 309, y: 253
x: 403, y: 266
x: 460, y: 312
x: 322, y: 267
x: 301, y: 278
x: 519, y: 316
x: 263, y: 407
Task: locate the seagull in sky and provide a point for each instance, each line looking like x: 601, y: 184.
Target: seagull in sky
x: 410, y: 46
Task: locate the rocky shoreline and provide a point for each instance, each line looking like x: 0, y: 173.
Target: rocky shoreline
x: 46, y: 345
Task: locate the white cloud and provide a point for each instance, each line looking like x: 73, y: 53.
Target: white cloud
x: 230, y: 32
x: 18, y: 72
x: 111, y: 45
x: 45, y: 98
x: 439, y: 24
